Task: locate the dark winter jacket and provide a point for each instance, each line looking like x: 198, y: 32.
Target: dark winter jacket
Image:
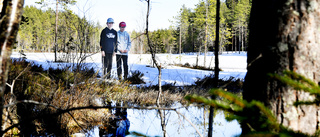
x: 108, y: 40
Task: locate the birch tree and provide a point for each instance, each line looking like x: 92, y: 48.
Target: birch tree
x: 10, y: 17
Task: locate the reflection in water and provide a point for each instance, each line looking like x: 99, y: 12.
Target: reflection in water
x: 118, y: 124
x: 123, y: 123
x: 147, y: 122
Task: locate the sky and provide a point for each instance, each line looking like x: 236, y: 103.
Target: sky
x: 133, y: 12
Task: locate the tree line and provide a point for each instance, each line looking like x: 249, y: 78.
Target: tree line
x: 192, y: 30
x: 37, y: 33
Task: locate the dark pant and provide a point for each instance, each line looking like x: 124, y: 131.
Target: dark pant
x: 122, y: 59
x: 107, y: 64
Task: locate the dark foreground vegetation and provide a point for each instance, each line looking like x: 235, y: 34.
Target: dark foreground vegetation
x: 47, y: 100
x: 255, y: 114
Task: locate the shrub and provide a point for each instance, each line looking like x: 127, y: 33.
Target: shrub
x: 231, y: 84
x: 49, y: 92
x: 136, y: 77
x: 186, y: 65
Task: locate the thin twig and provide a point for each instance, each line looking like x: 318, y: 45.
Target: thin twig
x: 189, y: 122
x: 11, y: 96
x: 76, y: 121
x: 138, y: 36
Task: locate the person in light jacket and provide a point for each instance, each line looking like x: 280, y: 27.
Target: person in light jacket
x: 108, y: 45
x: 124, y: 45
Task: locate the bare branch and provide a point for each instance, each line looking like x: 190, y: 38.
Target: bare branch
x: 30, y: 102
x: 138, y: 36
x: 88, y: 107
x: 189, y: 122
x: 76, y: 121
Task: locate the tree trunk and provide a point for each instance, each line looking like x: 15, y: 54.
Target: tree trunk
x: 158, y: 65
x: 284, y: 35
x: 239, y: 42
x: 216, y: 65
x: 9, y: 23
x: 180, y: 41
x: 180, y: 44
x: 242, y: 44
x: 206, y: 36
x: 56, y: 32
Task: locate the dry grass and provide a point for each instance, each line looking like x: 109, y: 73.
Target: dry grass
x: 123, y: 92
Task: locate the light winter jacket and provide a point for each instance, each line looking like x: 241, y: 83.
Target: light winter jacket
x: 124, y: 42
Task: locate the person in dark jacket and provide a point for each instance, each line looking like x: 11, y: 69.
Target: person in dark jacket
x: 108, y: 45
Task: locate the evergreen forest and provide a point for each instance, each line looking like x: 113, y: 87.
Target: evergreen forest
x: 192, y: 30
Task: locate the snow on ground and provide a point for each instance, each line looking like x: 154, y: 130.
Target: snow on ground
x: 232, y: 64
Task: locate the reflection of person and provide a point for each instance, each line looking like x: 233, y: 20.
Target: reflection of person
x: 117, y: 124
x: 124, y: 45
x: 123, y: 124
x: 108, y: 44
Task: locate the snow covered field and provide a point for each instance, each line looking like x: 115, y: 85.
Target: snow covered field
x: 232, y: 64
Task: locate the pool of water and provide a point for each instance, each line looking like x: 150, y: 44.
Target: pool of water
x: 147, y: 122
